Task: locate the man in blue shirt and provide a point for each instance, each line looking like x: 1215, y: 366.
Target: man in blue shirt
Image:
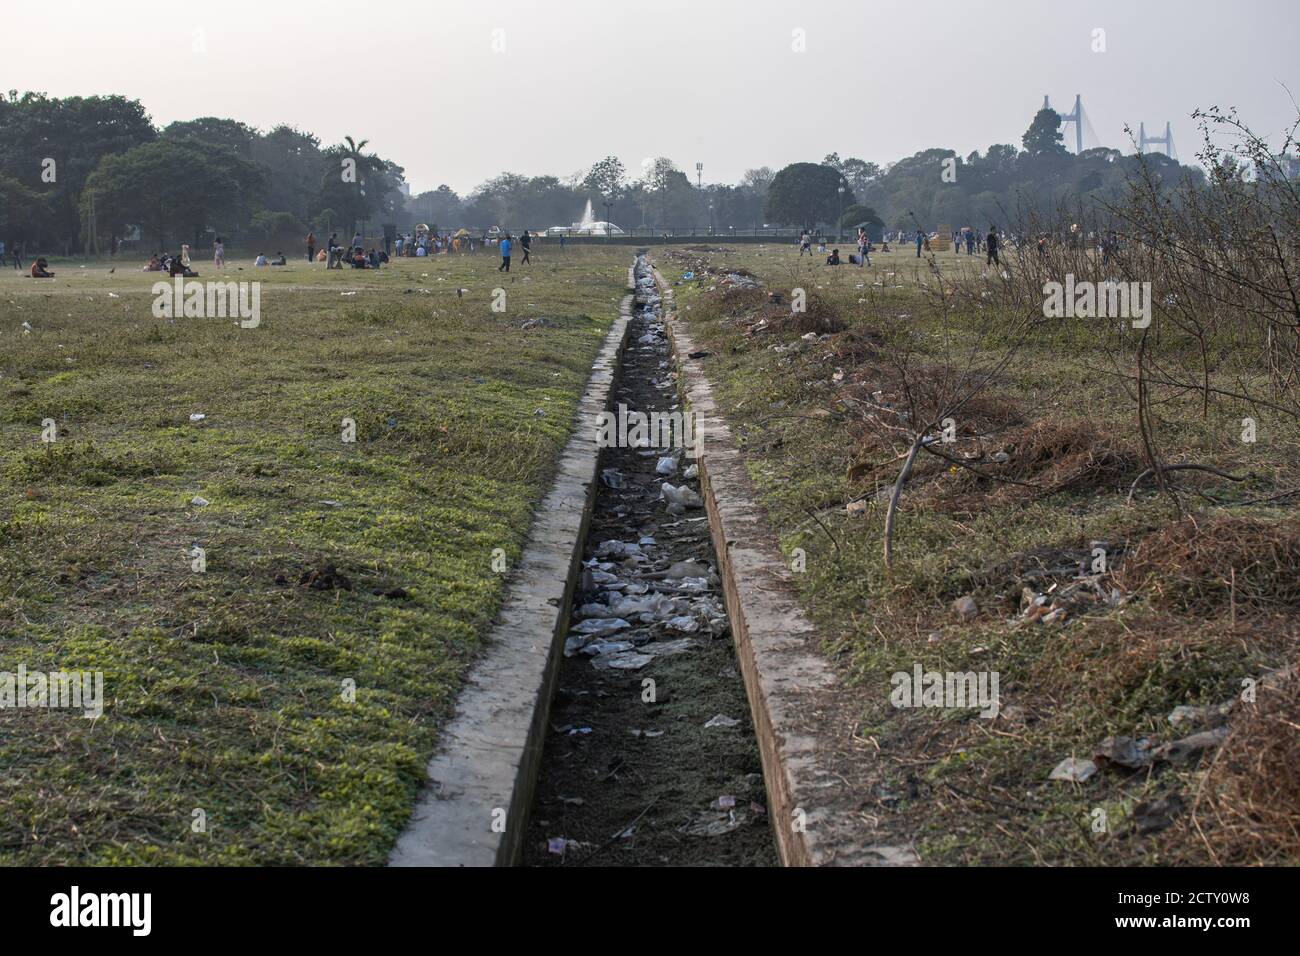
x: 505, y: 254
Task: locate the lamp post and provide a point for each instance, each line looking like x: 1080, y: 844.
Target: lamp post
x: 711, y: 227
x: 840, y: 217
x: 608, y: 206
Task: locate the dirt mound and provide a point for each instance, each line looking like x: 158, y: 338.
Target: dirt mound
x: 1035, y: 462
x: 761, y: 312
x: 1073, y: 455
x: 1205, y: 567
x: 739, y: 302
x: 327, y: 578
x: 1249, y: 809
x: 818, y: 315
x: 878, y: 393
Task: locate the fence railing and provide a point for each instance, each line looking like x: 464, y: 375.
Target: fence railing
x: 704, y: 232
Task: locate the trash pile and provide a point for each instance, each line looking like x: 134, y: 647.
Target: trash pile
x: 1059, y: 601
x: 649, y: 672
x: 649, y: 592
x: 1197, y: 733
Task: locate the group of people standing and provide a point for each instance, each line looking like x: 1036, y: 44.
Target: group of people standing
x: 426, y: 244
x: 15, y: 250
x: 507, y: 247
x: 989, y: 244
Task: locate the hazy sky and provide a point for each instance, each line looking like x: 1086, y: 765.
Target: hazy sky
x: 713, y: 81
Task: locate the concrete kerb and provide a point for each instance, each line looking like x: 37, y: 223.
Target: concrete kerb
x: 474, y: 807
x: 788, y: 681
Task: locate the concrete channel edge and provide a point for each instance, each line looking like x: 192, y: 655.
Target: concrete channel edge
x: 479, y: 785
x: 786, y: 678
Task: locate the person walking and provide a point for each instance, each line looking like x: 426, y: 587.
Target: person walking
x: 505, y: 254
x: 863, y: 245
x: 311, y: 247
x: 525, y: 243
x: 920, y: 241
x: 219, y: 254
x: 991, y: 244
x: 805, y: 244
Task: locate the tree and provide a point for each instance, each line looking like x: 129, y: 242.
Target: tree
x: 75, y: 133
x: 276, y: 228
x: 607, y: 178
x: 22, y: 210
x: 667, y: 198
x: 858, y: 214
x: 174, y: 189
x: 434, y: 206
x: 359, y: 186
x: 806, y: 194
x: 860, y: 174
x: 759, y: 180
x: 290, y: 160
x: 214, y: 131
x: 1044, y: 134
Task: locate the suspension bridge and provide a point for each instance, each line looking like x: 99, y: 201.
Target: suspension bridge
x: 1081, y: 135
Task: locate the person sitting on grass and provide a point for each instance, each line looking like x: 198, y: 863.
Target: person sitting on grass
x: 154, y: 264
x: 260, y: 261
x: 176, y: 267
x: 282, y: 261
x: 358, y: 258
x: 834, y: 258
x: 40, y: 270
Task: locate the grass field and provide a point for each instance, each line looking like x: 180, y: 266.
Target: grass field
x: 326, y: 561
x: 330, y: 562
x: 1204, y: 603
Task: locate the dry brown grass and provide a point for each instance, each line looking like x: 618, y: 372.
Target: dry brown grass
x: 1247, y: 809
x: 1204, y: 566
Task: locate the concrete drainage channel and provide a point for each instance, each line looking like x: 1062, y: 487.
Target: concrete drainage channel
x: 650, y: 757
x: 608, y: 721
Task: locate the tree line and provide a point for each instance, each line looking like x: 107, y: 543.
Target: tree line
x: 78, y: 174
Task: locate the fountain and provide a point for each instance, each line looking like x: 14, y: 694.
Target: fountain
x: 587, y: 226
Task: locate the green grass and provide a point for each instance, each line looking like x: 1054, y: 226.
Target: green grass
x: 224, y: 689
x: 1067, y: 686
